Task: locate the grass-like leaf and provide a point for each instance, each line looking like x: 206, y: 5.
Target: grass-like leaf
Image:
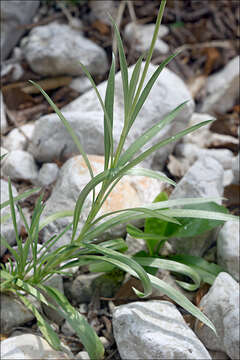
x: 148, y: 135
x: 19, y: 197
x: 130, y: 262
x: 150, y: 173
x: 109, y: 103
x: 67, y: 126
x: 175, y: 267
x: 123, y: 67
x: 199, y: 214
x: 79, y: 323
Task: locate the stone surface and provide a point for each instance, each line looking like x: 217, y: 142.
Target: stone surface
x: 29, y: 346
x: 45, y: 58
x: 20, y: 165
x: 3, y: 119
x: 221, y: 306
x: 82, y: 355
x: 14, y: 14
x: 47, y: 174
x: 14, y: 313
x: 222, y: 88
x: 228, y: 248
x: 81, y: 84
x: 235, y: 168
x: 140, y: 36
x: 204, y: 137
x: 7, y: 228
x: 19, y: 138
x: 131, y: 191
x: 228, y: 177
x: 80, y: 290
x: 100, y: 11
x: 3, y: 151
x: 134, y: 245
x: 192, y: 153
x: 155, y: 330
x: 218, y: 355
x: 51, y: 140
x: 203, y: 179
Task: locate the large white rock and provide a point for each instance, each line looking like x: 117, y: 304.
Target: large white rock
x: 29, y: 346
x: 56, y: 49
x: 14, y: 313
x: 47, y: 174
x: 228, y: 248
x: 139, y: 37
x: 221, y: 306
x: 7, y: 228
x: 131, y: 191
x: 3, y: 119
x: 20, y: 165
x: 155, y: 330
x: 51, y: 140
x: 222, y: 88
x: 14, y: 14
x: 193, y: 152
x: 203, y: 179
x: 18, y: 138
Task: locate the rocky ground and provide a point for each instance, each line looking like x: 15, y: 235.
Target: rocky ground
x: 44, y: 41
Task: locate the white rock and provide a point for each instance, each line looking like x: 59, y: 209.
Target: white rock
x: 203, y: 179
x: 131, y: 191
x: 14, y: 14
x: 47, y: 174
x: 3, y: 151
x: 228, y: 177
x: 81, y: 84
x: 222, y: 88
x: 80, y: 289
x: 20, y: 165
x: 82, y: 355
x: 193, y: 152
x: 14, y: 71
x: 67, y: 329
x: 228, y: 248
x: 154, y: 330
x: 134, y: 245
x: 7, y: 228
x: 101, y: 10
x: 84, y: 114
x: 29, y: 346
x: 221, y: 306
x: 3, y: 119
x: 14, y: 313
x: 140, y: 36
x: 45, y: 58
x: 18, y: 138
x: 235, y: 168
x: 204, y: 137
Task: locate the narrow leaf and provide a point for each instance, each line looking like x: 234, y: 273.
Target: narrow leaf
x: 150, y: 173
x: 19, y: 197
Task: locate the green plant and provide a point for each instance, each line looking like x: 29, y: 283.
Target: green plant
x: 157, y: 232
x: 29, y: 275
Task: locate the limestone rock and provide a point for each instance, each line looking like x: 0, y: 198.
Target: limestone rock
x: 18, y: 138
x: 29, y: 346
x: 20, y: 165
x: 155, y: 330
x: 140, y: 36
x: 203, y: 179
x: 131, y: 191
x: 14, y: 313
x: 7, y: 228
x: 228, y: 248
x: 14, y: 14
x: 222, y: 88
x: 3, y: 119
x: 47, y: 174
x: 221, y: 306
x: 52, y: 141
x: 56, y: 49
x: 235, y: 168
